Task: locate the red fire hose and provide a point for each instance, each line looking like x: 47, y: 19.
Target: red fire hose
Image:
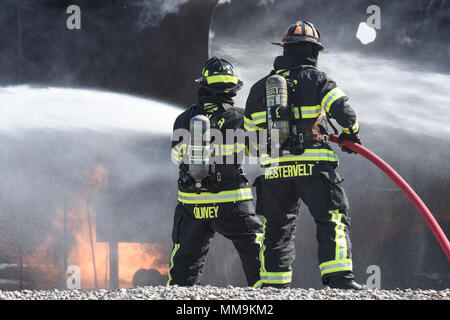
x: 409, y: 192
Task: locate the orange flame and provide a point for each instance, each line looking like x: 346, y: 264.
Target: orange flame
x: 90, y: 256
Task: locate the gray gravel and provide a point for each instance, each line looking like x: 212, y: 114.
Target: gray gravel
x: 224, y: 293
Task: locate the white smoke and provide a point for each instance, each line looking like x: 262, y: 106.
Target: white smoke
x: 154, y: 11
x: 260, y: 3
x: 382, y: 91
x: 52, y: 137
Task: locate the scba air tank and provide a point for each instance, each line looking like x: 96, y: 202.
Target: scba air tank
x: 200, y: 149
x: 276, y: 98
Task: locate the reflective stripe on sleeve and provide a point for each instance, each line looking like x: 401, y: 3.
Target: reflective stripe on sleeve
x: 259, y: 117
x: 177, y: 152
x: 307, y: 112
x: 250, y: 125
x: 331, y: 97
x: 355, y: 128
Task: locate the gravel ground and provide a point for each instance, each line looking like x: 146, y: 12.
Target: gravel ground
x: 224, y: 293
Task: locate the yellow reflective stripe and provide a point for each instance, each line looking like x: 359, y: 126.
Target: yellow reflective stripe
x: 259, y: 238
x: 331, y: 97
x: 308, y: 155
x: 221, y: 78
x: 228, y: 149
x: 223, y: 149
x: 220, y: 197
x: 179, y: 149
x: 296, y: 111
x: 263, y: 247
x: 175, y: 249
x: 283, y: 72
x: 276, y: 277
x: 355, y: 128
x: 335, y: 266
x: 177, y: 152
x: 259, y: 117
x: 340, y: 237
x: 209, y: 105
x: 176, y: 158
x: 239, y: 147
x: 311, y: 111
x: 307, y: 112
x: 250, y: 125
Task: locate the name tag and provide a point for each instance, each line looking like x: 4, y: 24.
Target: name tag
x: 206, y: 212
x: 288, y: 171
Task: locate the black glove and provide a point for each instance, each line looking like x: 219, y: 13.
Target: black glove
x: 294, y: 145
x: 354, y: 137
x: 282, y: 114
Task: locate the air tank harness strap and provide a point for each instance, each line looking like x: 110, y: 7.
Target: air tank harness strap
x: 314, y: 131
x: 212, y: 180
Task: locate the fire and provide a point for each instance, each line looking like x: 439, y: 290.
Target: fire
x: 92, y: 257
x: 77, y: 218
x: 132, y: 256
x: 135, y: 256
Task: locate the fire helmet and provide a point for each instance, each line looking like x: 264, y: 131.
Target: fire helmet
x: 218, y: 76
x: 301, y: 31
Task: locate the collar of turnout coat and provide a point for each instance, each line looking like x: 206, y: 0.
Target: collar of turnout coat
x: 288, y: 62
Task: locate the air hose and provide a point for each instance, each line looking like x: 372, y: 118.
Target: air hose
x: 407, y: 190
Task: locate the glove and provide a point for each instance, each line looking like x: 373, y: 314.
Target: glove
x: 282, y: 114
x: 294, y: 145
x: 351, y: 137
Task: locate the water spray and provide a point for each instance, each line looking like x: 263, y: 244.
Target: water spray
x: 401, y: 183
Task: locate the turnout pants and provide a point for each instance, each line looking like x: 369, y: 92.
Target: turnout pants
x: 279, y: 202
x: 192, y: 238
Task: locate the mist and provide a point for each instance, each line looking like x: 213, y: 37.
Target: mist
x: 401, y: 104
x: 155, y: 11
x: 53, y: 140
x: 78, y: 116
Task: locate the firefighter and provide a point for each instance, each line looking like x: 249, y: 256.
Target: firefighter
x: 303, y: 167
x: 220, y: 200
